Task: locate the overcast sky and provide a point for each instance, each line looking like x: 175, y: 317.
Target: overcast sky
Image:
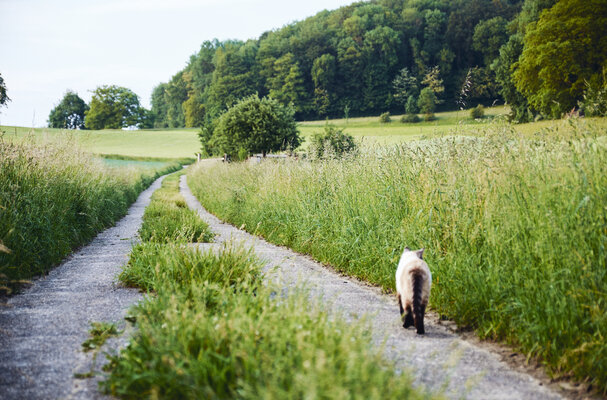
x: 50, y: 46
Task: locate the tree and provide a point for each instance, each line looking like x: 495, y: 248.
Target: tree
x: 113, y: 107
x: 562, y: 51
x: 405, y: 86
x: 427, y: 101
x: 3, y: 96
x: 488, y: 37
x: 69, y: 113
x: 433, y: 81
x: 255, y: 125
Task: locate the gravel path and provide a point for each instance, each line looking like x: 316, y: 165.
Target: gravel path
x: 42, y: 329
x: 439, y: 360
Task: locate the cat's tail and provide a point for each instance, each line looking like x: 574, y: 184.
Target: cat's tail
x: 417, y: 278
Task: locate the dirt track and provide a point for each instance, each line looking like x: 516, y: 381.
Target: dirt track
x: 439, y: 360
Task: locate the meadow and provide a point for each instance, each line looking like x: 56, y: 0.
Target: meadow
x: 178, y: 143
x: 54, y: 198
x: 210, y: 327
x: 514, y: 226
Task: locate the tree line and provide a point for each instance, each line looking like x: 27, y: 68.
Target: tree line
x: 542, y: 57
x: 376, y: 56
x: 111, y: 107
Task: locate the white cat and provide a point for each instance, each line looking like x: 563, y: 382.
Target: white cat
x: 413, y: 282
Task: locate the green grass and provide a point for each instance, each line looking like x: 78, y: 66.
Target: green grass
x: 168, y: 218
x: 214, y: 330
x: 100, y: 332
x: 211, y: 328
x: 514, y: 226
x: 54, y: 198
x: 371, y: 132
x: 177, y: 143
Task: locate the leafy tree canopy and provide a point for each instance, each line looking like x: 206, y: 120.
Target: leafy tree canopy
x: 257, y: 125
x: 3, y: 96
x: 562, y: 51
x: 69, y: 113
x: 114, y: 107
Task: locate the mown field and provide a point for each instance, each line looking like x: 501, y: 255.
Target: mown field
x: 54, y: 198
x: 210, y: 327
x: 181, y: 143
x: 178, y: 143
x: 514, y: 226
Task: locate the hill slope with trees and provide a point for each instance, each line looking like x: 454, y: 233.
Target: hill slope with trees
x: 378, y: 56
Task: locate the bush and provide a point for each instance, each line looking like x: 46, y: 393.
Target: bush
x: 333, y: 143
x: 410, y: 118
x: 385, y: 118
x: 429, y: 117
x: 477, y: 112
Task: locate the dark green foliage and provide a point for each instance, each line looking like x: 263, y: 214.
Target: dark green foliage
x: 489, y: 36
x: 477, y: 112
x: 410, y: 118
x: 3, y: 96
x: 254, y: 124
x: 69, y: 113
x: 353, y: 56
x: 114, y: 107
x: 384, y: 118
x: 332, y: 143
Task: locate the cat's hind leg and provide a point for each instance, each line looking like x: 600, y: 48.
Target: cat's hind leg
x: 408, y: 318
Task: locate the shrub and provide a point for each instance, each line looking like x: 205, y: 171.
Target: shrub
x: 334, y: 142
x: 477, y: 112
x: 410, y: 118
x: 385, y: 118
x: 429, y: 117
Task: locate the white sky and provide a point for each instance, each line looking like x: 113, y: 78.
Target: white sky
x: 50, y: 46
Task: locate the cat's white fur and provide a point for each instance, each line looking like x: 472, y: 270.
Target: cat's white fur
x: 411, y: 267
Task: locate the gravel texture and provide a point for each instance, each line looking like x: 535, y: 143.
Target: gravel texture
x: 42, y: 328
x: 440, y: 360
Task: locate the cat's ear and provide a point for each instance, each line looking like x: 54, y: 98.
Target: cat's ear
x: 407, y: 249
x: 420, y: 253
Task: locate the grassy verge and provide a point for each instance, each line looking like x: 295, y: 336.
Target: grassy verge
x: 212, y: 329
x: 168, y: 218
x: 515, y: 229
x: 54, y: 198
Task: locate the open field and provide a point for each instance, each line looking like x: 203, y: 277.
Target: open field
x: 178, y: 143
x: 515, y: 228
x: 372, y: 132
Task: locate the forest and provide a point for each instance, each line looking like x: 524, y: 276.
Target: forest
x: 377, y: 56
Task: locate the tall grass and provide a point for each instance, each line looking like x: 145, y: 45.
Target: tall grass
x: 515, y: 229
x: 168, y: 218
x: 54, y: 198
x: 213, y: 329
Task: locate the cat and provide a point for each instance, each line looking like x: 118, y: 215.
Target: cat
x: 413, y: 282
